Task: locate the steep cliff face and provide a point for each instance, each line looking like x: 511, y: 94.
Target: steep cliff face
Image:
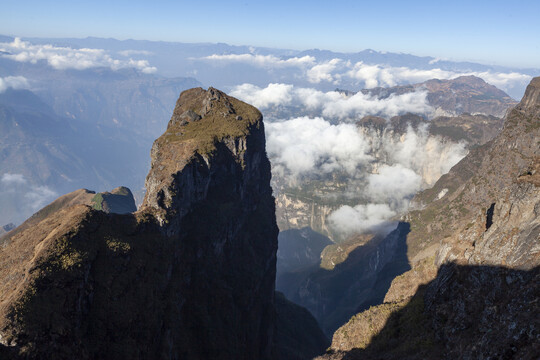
x: 298, y: 336
x: 189, y: 276
x: 475, y: 258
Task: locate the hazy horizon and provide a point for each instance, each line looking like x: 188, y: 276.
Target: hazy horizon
x: 492, y: 34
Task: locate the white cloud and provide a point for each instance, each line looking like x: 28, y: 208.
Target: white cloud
x: 349, y: 220
x: 323, y: 72
x: 128, y: 53
x: 436, y: 60
x: 381, y: 75
x: 393, y: 183
x: 264, y: 61
x: 332, y: 104
x: 360, y: 105
x: 302, y: 146
x: 404, y: 165
x: 9, y: 179
x: 272, y: 95
x: 67, y: 58
x: 429, y: 156
x: 504, y: 81
x: 15, y: 82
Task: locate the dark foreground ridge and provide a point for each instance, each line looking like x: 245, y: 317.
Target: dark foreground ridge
x: 189, y: 276
x: 466, y: 312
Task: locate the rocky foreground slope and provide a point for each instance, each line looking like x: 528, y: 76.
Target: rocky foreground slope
x: 474, y: 251
x: 189, y: 276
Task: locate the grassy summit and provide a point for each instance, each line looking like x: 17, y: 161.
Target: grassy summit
x: 204, y: 118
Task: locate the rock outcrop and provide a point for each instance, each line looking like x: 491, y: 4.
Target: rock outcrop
x: 119, y: 201
x: 188, y: 276
x: 475, y: 258
x: 464, y: 94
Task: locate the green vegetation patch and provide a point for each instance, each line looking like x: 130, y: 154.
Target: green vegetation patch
x: 97, y: 202
x: 228, y: 118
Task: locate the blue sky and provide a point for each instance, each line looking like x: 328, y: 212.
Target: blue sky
x: 491, y: 32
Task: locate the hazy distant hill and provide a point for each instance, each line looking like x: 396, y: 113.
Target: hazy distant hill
x: 76, y: 129
x: 184, y: 59
x: 43, y: 155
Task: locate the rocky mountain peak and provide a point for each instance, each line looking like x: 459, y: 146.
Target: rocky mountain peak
x: 531, y: 99
x: 206, y: 126
x: 188, y: 276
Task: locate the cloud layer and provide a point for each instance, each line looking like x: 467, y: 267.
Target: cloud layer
x: 264, y: 61
x: 406, y: 164
x: 363, y: 75
x: 303, y: 146
x: 380, y: 75
x: 385, y: 169
x: 332, y: 104
x: 62, y: 58
x: 361, y: 218
x: 15, y: 82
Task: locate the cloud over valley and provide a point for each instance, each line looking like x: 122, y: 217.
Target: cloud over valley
x: 332, y: 104
x: 62, y: 58
x: 14, y: 82
x: 381, y: 170
x: 361, y: 74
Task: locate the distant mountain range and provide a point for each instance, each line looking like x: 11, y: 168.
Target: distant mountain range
x: 87, y: 110
x: 465, y: 94
x: 216, y: 64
